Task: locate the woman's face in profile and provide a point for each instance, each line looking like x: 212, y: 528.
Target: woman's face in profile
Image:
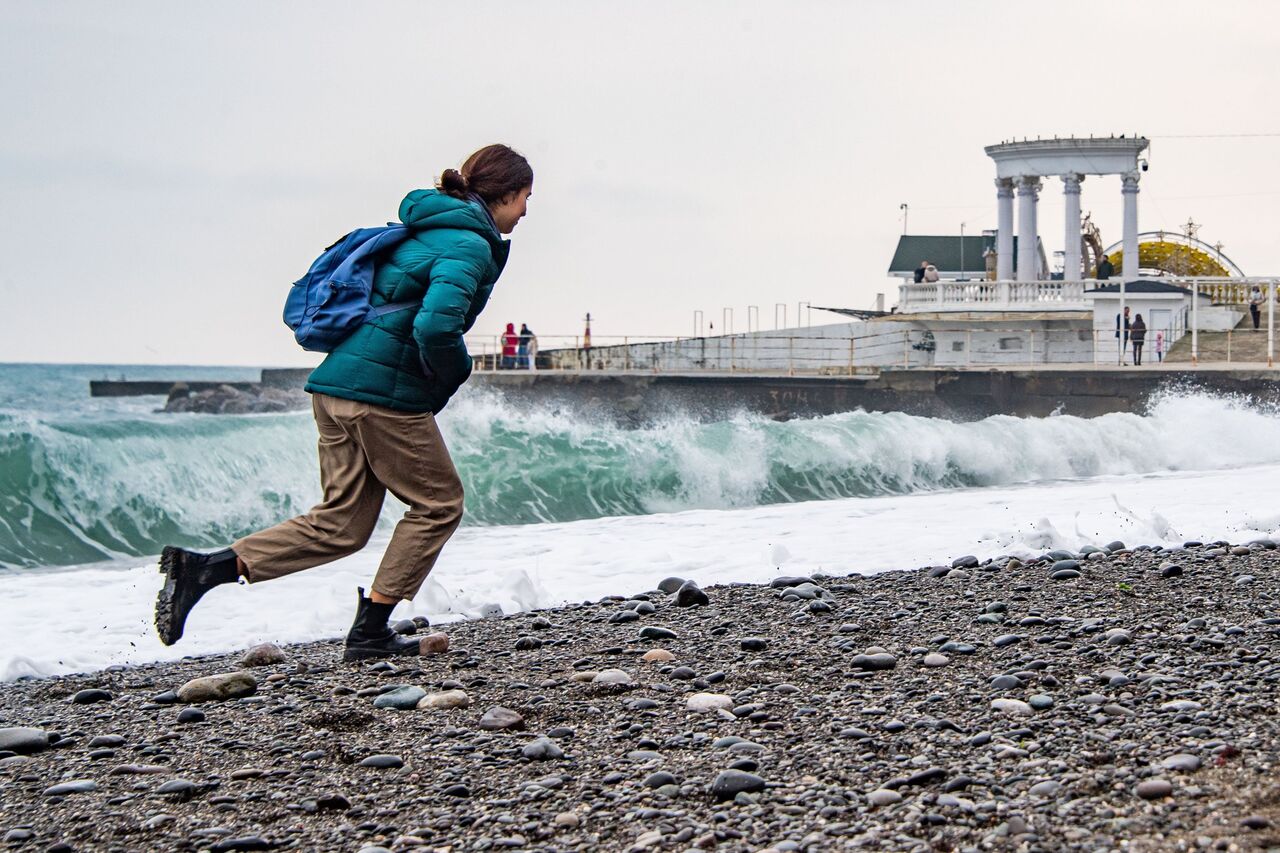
x: 508, y: 212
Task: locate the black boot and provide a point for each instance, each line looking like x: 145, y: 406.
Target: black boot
x: 188, y: 576
x: 370, y: 637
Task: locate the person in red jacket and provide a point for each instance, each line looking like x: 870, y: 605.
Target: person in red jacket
x: 510, y: 342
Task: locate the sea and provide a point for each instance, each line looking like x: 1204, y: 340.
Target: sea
x: 562, y: 508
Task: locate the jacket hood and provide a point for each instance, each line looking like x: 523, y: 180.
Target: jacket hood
x: 422, y: 209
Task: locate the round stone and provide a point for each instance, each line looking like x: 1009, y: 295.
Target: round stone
x: 445, y: 700
x: 23, y: 740
x: 612, y: 676
x: 883, y: 797
x: 657, y: 656
x: 873, y: 662
x: 216, y: 688
x: 1153, y: 789
x: 383, y: 762
x: 542, y: 749
x: 77, y: 786
x: 689, y: 595
x: 88, y: 697
x: 400, y: 698
x: 1012, y: 707
x: 657, y: 780
x: 263, y: 654
x: 433, y: 644
x: 933, y: 659
x: 498, y: 718
x: 1047, y: 789
x: 730, y: 783
x: 706, y: 702
x: 191, y: 715
x: 1182, y: 762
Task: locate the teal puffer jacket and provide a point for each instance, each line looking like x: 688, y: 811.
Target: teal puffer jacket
x: 414, y: 360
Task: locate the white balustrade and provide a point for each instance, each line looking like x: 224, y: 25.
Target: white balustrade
x: 994, y: 296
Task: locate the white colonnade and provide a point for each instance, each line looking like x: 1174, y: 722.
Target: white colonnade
x: 1023, y: 165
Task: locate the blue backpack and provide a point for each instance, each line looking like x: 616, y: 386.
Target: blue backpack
x: 332, y: 300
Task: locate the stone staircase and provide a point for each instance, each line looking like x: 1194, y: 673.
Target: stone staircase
x: 1241, y: 344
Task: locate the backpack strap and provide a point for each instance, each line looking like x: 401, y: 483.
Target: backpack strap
x: 388, y: 308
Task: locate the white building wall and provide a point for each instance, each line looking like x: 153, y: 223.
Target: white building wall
x: 1048, y: 342
x: 831, y: 347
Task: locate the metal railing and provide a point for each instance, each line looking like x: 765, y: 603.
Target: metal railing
x: 1053, y: 295
x: 959, y: 346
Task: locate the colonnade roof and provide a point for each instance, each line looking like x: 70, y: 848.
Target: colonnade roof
x: 1050, y: 157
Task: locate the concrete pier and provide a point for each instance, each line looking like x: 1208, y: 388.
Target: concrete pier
x: 958, y: 395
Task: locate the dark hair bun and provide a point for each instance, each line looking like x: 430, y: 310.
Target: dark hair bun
x: 453, y: 183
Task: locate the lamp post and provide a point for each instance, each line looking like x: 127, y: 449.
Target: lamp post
x: 904, y: 209
x: 963, y: 277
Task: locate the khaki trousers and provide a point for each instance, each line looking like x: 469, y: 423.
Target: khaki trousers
x: 366, y: 450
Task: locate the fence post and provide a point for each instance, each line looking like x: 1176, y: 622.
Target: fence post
x: 906, y: 348
x: 733, y: 352
x: 968, y: 348
x: 1031, y: 350
x: 626, y: 353
x: 1271, y: 320
x: 851, y: 355
x: 791, y: 362
x: 1228, y: 346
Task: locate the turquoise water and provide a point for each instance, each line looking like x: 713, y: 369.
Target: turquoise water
x: 85, y: 479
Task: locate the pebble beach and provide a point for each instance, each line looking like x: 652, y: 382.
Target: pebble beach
x: 1110, y: 699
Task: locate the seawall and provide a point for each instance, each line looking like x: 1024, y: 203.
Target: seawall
x: 951, y: 394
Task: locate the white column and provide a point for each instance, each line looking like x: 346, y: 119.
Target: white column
x: 1071, y: 270
x: 1004, y: 234
x: 1129, y: 187
x: 1028, y: 257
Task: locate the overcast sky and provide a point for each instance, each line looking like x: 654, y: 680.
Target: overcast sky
x: 167, y: 169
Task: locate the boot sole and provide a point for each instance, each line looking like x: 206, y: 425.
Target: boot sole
x: 350, y: 654
x: 170, y: 566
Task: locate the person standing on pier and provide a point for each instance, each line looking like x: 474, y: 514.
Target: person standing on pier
x: 528, y: 347
x: 1124, y: 347
x: 1105, y: 269
x: 510, y: 347
x: 375, y: 399
x: 1138, y: 334
x: 1255, y: 305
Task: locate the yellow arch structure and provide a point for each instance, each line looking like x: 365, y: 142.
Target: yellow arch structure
x: 1174, y: 254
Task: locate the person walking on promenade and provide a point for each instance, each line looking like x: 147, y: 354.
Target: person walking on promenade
x: 510, y: 345
x: 375, y: 398
x: 919, y: 273
x: 1159, y: 346
x: 1255, y: 305
x: 1138, y: 334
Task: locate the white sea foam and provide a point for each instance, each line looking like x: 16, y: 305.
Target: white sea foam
x: 97, y: 486
x: 86, y: 618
